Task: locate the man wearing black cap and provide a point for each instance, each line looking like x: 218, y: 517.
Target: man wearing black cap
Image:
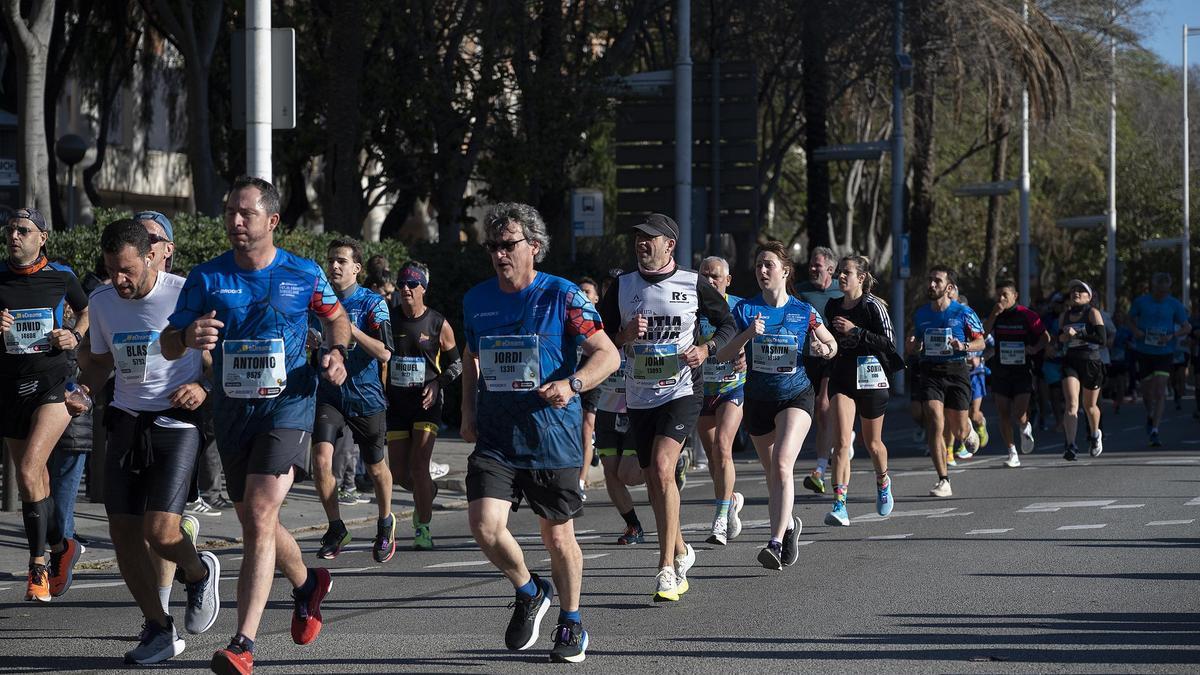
x: 162, y: 237
x: 33, y: 377
x: 653, y: 314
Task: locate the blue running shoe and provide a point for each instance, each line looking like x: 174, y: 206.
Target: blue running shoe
x: 884, y: 501
x: 838, y: 515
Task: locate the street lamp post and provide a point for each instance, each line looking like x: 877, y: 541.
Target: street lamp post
x: 1186, y: 291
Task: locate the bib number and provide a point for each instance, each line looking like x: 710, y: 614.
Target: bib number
x: 131, y: 353
x: 719, y: 372
x: 253, y: 368
x: 1012, y: 353
x: 614, y: 384
x: 777, y: 354
x: 510, y: 362
x: 937, y: 342
x: 870, y: 373
x: 406, y: 371
x: 30, y: 332
x: 1157, y: 338
x: 656, y: 365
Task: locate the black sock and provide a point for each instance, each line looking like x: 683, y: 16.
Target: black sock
x: 54, y: 533
x: 631, y: 518
x: 310, y: 584
x: 242, y: 642
x: 37, y: 519
x: 337, y: 525
x: 940, y: 477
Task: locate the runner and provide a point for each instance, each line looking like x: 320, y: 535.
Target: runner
x: 356, y: 407
x: 721, y: 415
x: 859, y: 380
x: 962, y: 440
x: 817, y: 291
x: 153, y: 436
x: 1157, y: 320
x: 588, y: 398
x: 250, y: 307
x: 521, y: 410
x: 424, y: 363
x: 1122, y: 352
x: 1081, y: 334
x: 1019, y: 335
x: 652, y: 313
x: 943, y: 333
x: 33, y: 369
x: 618, y: 456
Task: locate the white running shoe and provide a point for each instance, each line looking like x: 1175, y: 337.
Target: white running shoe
x: 717, y: 535
x: 683, y: 563
x: 735, y: 508
x: 438, y: 470
x: 664, y: 586
x: 971, y: 442
x: 941, y: 488
x: 852, y: 437
x: 1097, y: 444
x: 1027, y: 439
x: 1014, y: 460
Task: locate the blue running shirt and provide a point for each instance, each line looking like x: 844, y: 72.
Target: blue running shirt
x: 362, y: 392
x: 775, y: 360
x: 719, y: 378
x: 524, y: 340
x: 1158, y: 321
x: 265, y: 313
x: 934, y: 328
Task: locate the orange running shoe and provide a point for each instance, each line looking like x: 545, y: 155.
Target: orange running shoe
x: 306, y: 617
x: 62, y: 566
x: 39, y: 585
x: 232, y: 660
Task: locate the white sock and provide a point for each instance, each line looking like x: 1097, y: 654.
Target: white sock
x: 1012, y: 448
x: 164, y: 598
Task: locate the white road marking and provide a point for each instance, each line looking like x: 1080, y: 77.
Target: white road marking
x: 346, y: 570
x: 998, y: 530
x: 952, y: 515
x: 916, y: 513
x: 1054, y: 506
x: 882, y: 537
x: 1194, y: 502
x: 1157, y: 523
x: 1083, y: 527
x: 459, y: 563
x: 591, y: 556
x: 1123, y: 506
x: 1173, y: 462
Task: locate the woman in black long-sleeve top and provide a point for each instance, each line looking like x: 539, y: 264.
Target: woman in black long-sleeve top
x: 1081, y: 334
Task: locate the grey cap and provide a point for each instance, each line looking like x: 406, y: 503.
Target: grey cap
x: 656, y: 224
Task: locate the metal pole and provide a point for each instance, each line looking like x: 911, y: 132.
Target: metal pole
x: 683, y: 132
x: 70, y: 196
x: 715, y: 247
x: 1023, y: 245
x: 258, y: 88
x: 1187, y: 238
x: 898, y: 188
x: 1110, y: 293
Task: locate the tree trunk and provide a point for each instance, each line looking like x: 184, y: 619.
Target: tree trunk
x: 991, y: 254
x: 206, y: 185
x: 920, y: 215
x: 816, y: 109
x: 30, y: 41
x: 342, y: 194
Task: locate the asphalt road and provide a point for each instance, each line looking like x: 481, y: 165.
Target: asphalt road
x: 1089, y: 566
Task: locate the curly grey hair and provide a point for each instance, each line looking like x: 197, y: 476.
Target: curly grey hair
x: 533, y: 228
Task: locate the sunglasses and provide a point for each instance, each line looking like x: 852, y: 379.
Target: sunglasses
x: 411, y: 284
x: 506, y: 246
x: 157, y: 239
x: 23, y: 231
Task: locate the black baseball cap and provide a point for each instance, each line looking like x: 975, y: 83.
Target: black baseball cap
x: 32, y: 215
x: 656, y: 224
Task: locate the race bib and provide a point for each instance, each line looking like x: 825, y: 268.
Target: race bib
x: 406, y: 371
x: 1012, y: 353
x: 1158, y: 338
x: 132, y: 351
x: 614, y: 384
x: 656, y: 365
x: 775, y: 353
x: 1076, y: 341
x: 719, y: 372
x: 253, y: 368
x: 937, y: 342
x: 871, y: 374
x: 510, y: 362
x: 30, y: 332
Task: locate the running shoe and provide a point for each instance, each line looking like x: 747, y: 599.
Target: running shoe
x: 232, y: 660
x: 1070, y: 452
x: 634, y: 534
x: 38, y: 587
x: 883, y: 499
x: 422, y: 539
x: 201, y: 508
x: 1014, y: 460
x: 1154, y: 442
x: 702, y: 465
x: 582, y: 490
x: 522, y: 631
x: 853, y: 436
x: 683, y: 563
x: 438, y: 470
x: 735, y: 510
x: 347, y: 497
x: 665, y: 589
x: 62, y: 566
x: 1027, y: 438
x: 220, y: 503
x: 158, y: 644
x: 720, y: 527
x: 815, y: 482
x: 333, y: 542
x: 384, y: 546
x: 771, y: 556
x: 790, y: 552
x: 189, y: 525
x: 972, y: 441
x: 982, y: 432
x: 950, y: 453
x: 962, y: 453
x: 941, y: 488
x: 203, y: 597
x: 837, y: 515
x: 306, y: 614
x: 681, y: 471
x: 570, y: 643
x: 1096, y: 444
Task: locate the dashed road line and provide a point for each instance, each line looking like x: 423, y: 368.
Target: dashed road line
x: 916, y: 513
x: 458, y: 563
x: 1123, y: 506
x: 883, y: 537
x: 1194, y: 502
x: 952, y: 515
x: 1158, y: 523
x: 1054, y: 506
x: 591, y: 556
x: 996, y: 530
x: 1084, y: 527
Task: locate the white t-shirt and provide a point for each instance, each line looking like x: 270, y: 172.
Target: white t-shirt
x: 129, y: 330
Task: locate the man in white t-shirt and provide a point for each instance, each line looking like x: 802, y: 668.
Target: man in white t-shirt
x: 153, y: 437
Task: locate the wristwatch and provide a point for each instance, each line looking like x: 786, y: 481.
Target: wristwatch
x: 339, y: 348
x: 576, y: 384
x: 78, y: 337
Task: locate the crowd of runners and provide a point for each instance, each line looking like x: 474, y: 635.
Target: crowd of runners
x: 289, y: 356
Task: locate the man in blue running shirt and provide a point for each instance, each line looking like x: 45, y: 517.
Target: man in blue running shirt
x: 1158, y: 320
x: 521, y: 409
x: 250, y: 308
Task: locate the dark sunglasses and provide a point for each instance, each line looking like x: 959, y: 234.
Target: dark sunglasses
x: 23, y: 231
x: 506, y: 246
x: 411, y: 284
x: 157, y: 239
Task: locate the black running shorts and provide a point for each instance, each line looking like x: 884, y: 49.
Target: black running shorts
x: 22, y: 395
x: 1154, y: 364
x: 1089, y: 372
x: 612, y: 434
x: 405, y: 413
x: 869, y: 403
x: 272, y: 453
x: 368, y: 430
x: 949, y: 383
x: 164, y: 484
x: 553, y: 494
x: 760, y: 416
x: 674, y: 419
x: 1012, y: 387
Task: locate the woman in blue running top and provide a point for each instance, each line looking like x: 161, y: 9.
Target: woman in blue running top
x: 779, y: 395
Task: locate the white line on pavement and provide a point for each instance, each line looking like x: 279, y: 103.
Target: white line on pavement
x: 1156, y: 523
x: 1091, y: 503
x: 1173, y: 462
x: 1083, y: 527
x: 1194, y: 502
x: 882, y: 537
x: 998, y: 530
x: 917, y: 513
x: 459, y: 563
x: 952, y: 515
x: 1123, y: 506
x: 591, y: 556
